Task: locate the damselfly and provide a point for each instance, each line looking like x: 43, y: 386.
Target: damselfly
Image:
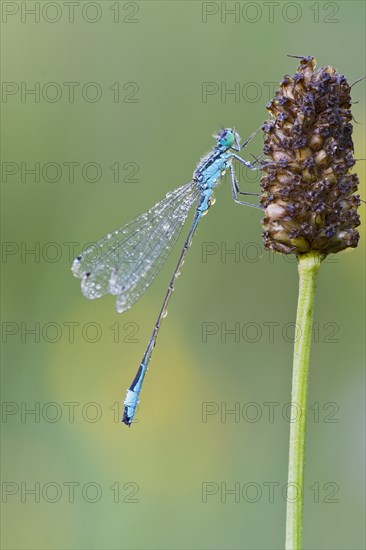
x: 127, y: 260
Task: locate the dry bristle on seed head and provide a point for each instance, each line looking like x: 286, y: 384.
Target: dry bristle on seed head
x: 307, y: 190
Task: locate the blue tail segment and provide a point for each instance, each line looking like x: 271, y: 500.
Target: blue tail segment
x: 132, y: 397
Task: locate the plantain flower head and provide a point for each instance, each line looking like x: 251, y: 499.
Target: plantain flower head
x: 308, y: 192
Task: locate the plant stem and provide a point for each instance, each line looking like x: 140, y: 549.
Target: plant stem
x: 308, y: 267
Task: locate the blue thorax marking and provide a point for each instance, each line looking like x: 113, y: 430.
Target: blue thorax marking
x: 207, y: 174
x: 211, y: 167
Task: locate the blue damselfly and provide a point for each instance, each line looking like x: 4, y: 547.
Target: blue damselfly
x: 126, y: 261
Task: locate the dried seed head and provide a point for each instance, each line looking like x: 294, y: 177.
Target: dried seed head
x: 308, y: 192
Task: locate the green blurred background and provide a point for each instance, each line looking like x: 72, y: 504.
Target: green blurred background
x: 162, y: 55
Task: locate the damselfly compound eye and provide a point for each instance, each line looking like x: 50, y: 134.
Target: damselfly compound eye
x: 226, y: 138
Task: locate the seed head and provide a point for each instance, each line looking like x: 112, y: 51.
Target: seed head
x: 307, y: 190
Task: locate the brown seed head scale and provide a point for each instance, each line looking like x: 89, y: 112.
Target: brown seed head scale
x: 307, y: 190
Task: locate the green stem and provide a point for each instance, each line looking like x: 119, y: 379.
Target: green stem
x: 308, y: 267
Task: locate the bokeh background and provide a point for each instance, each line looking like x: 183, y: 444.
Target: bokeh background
x: 163, y: 72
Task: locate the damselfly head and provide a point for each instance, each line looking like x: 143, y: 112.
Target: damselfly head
x: 228, y: 138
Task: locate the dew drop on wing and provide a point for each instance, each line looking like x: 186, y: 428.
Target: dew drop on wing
x: 75, y: 268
